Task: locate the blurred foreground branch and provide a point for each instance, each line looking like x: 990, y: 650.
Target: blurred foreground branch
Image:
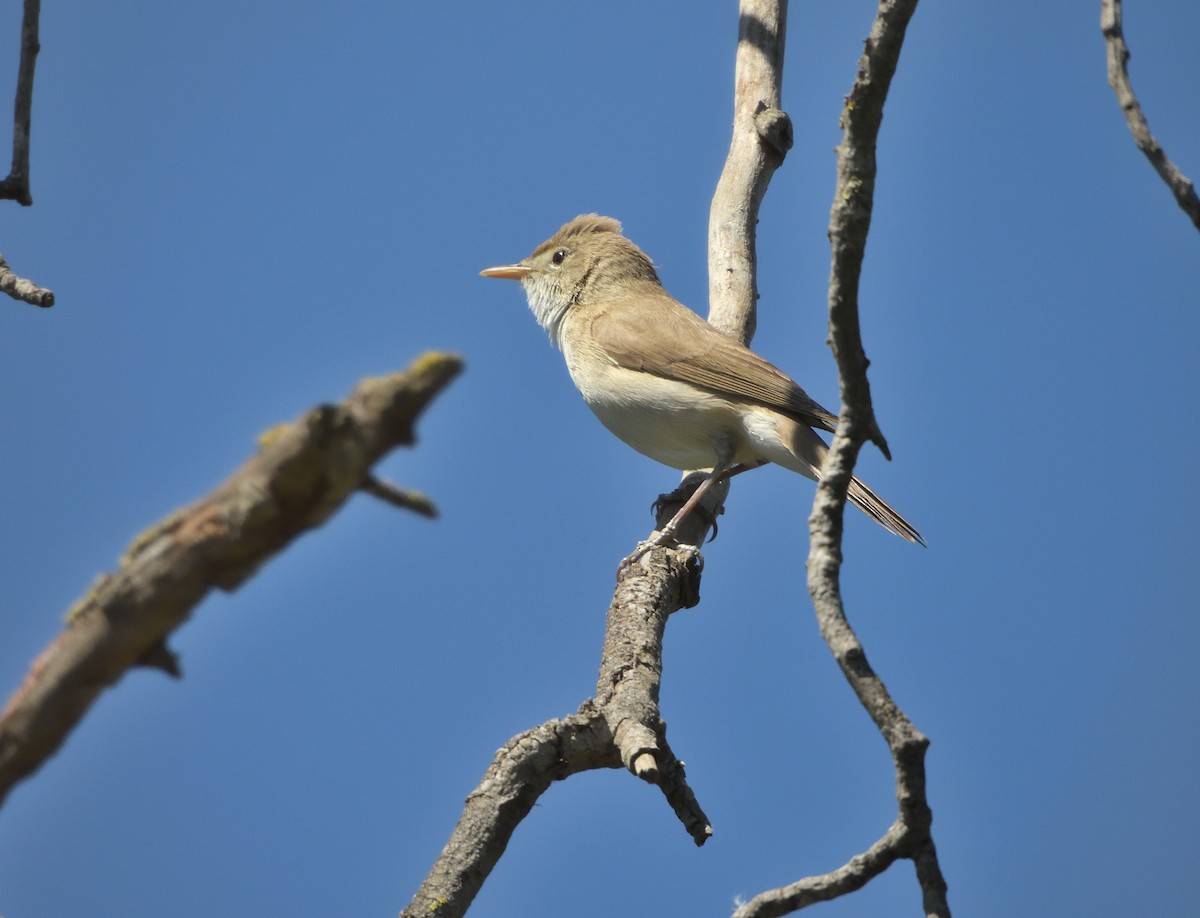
x: 303, y: 473
x: 1118, y: 79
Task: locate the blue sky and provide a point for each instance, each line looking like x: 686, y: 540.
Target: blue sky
x: 245, y: 208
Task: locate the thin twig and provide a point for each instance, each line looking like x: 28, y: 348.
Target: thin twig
x: 302, y: 474
x: 16, y: 186
x: 403, y: 498
x: 851, y: 876
x: 1118, y: 79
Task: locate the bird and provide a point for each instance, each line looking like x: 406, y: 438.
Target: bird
x: 664, y: 380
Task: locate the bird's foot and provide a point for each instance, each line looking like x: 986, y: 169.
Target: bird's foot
x: 678, y: 496
x: 665, y: 537
x: 637, y: 555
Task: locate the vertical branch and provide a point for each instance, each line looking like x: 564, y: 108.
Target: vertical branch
x: 762, y: 135
x: 1118, y: 79
x: 16, y: 186
x: 909, y: 836
x: 622, y: 725
x: 849, y: 224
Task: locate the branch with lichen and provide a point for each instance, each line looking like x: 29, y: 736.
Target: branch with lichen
x: 21, y: 289
x: 302, y: 474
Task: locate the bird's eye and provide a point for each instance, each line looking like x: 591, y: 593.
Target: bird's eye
x: 559, y: 256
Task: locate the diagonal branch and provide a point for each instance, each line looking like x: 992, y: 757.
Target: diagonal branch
x: 1118, y: 79
x: 303, y: 473
x: 16, y: 186
x: 620, y: 726
x: 851, y: 876
x: 910, y: 836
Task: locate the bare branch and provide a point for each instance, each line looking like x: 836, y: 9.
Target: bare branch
x: 622, y: 723
x: 1118, y: 79
x: 851, y: 876
x: 623, y: 720
x: 762, y: 135
x: 20, y: 289
x: 403, y: 498
x: 620, y: 726
x: 849, y: 224
x: 16, y: 186
x: 302, y: 474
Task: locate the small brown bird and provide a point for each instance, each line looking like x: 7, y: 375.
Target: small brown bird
x: 664, y: 380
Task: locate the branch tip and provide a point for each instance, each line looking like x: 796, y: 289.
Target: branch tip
x: 400, y: 497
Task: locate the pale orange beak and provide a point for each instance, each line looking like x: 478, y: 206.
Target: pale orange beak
x: 507, y: 272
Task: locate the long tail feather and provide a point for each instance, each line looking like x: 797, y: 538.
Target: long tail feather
x: 878, y: 509
x: 803, y: 451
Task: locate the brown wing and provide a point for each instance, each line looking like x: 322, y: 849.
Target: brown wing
x: 701, y: 355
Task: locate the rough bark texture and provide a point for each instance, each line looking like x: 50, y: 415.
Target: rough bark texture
x: 20, y: 289
x: 620, y: 726
x: 301, y: 475
x: 1118, y: 79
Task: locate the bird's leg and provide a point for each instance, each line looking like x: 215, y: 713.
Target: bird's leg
x: 742, y: 467
x: 721, y: 470
x: 678, y: 493
x: 681, y: 493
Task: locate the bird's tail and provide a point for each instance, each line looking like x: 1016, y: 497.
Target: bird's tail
x: 881, y: 512
x: 804, y: 451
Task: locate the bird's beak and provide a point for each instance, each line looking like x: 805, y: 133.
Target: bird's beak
x: 508, y: 272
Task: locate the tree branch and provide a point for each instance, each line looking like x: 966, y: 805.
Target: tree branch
x: 1118, y: 79
x: 622, y: 724
x: 762, y: 136
x: 301, y: 476
x: 16, y: 186
x: 849, y: 224
x: 20, y: 289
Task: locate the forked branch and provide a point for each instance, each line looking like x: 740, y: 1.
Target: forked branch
x: 619, y: 727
